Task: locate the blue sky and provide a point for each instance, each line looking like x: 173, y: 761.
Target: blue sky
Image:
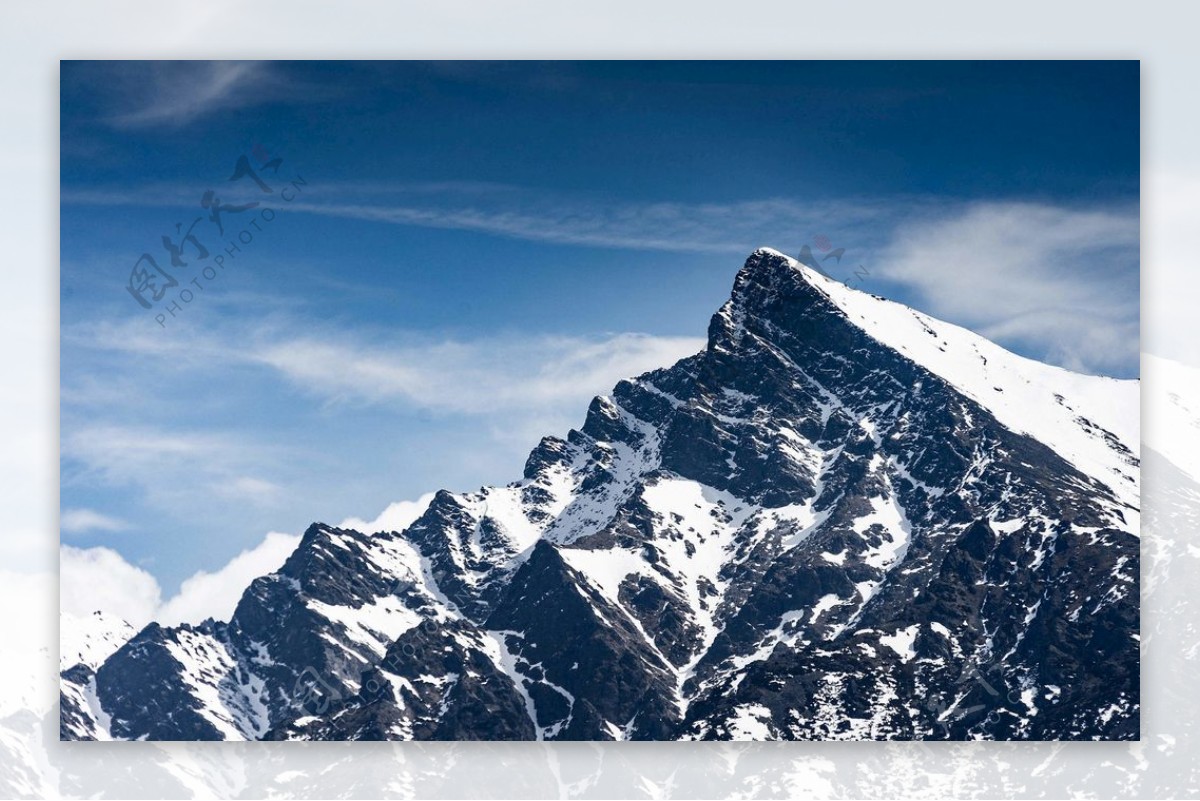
x: 474, y: 249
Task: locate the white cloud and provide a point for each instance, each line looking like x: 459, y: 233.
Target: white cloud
x: 500, y: 374
x: 1049, y: 278
x: 99, y: 578
x: 216, y: 594
x: 174, y: 93
x: 520, y: 375
x: 396, y: 517
x: 170, y: 465
x: 79, y: 521
x: 252, y: 489
x: 734, y: 228
x: 516, y: 212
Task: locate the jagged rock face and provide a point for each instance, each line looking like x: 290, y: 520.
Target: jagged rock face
x: 841, y: 520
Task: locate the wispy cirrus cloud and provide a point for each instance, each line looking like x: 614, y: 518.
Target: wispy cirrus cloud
x: 150, y: 96
x: 171, y: 94
x: 510, y: 374
x: 733, y: 227
x: 81, y: 521
x: 167, y: 465
x: 1055, y: 279
x: 502, y: 375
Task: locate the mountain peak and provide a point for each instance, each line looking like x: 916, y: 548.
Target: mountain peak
x: 777, y: 264
x: 776, y: 296
x: 771, y: 268
x: 771, y: 291
x: 774, y: 286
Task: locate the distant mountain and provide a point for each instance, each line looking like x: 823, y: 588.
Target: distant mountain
x: 841, y: 520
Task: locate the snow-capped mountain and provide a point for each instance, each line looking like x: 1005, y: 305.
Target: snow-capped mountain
x: 842, y: 519
x: 84, y: 644
x: 89, y: 641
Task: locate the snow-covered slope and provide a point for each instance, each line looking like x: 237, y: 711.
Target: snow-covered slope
x: 1092, y: 421
x: 90, y: 639
x: 85, y: 643
x: 841, y: 520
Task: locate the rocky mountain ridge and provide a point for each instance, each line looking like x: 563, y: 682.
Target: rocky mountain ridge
x: 841, y: 520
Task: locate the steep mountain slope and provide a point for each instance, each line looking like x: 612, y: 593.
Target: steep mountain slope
x: 843, y: 519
